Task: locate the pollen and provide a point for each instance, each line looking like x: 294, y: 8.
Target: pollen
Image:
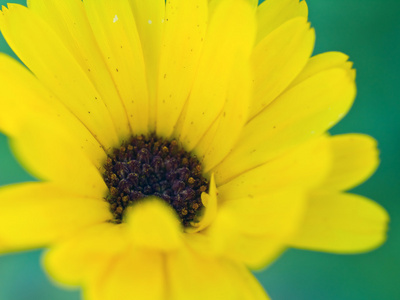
x: 147, y: 166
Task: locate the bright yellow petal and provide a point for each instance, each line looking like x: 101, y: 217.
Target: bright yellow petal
x: 184, y: 31
x: 51, y: 153
x: 33, y: 215
x: 150, y: 19
x: 115, y: 30
x: 304, y: 167
x: 341, y: 223
x: 355, y: 158
x: 210, y: 202
x: 306, y: 110
x: 323, y: 62
x: 226, y: 38
x: 132, y: 275
x: 254, y: 229
x: 224, y: 133
x: 274, y: 215
x: 44, y: 53
x: 26, y: 101
x: 273, y: 13
x: 153, y: 224
x: 68, y: 19
x: 70, y: 261
x: 278, y: 59
x: 192, y: 276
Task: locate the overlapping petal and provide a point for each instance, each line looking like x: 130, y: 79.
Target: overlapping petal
x: 69, y: 21
x: 341, y: 223
x: 114, y: 28
x: 219, y: 278
x: 35, y: 43
x: 86, y: 253
x: 278, y: 59
x: 273, y: 13
x: 31, y: 212
x: 307, y: 109
x: 133, y: 275
x: 34, y: 104
x: 355, y: 158
x: 183, y: 39
x: 224, y: 32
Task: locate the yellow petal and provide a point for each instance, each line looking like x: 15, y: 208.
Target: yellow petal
x: 230, y: 33
x: 254, y: 229
x: 210, y: 202
x: 275, y: 214
x: 273, y: 13
x: 68, y: 19
x: 26, y: 101
x: 33, y: 215
x: 115, y: 31
x: 323, y: 62
x: 355, y: 158
x: 153, y: 224
x: 341, y: 223
x: 132, y: 275
x: 71, y: 260
x: 304, y: 167
x: 44, y: 53
x: 192, y: 276
x: 151, y: 37
x: 184, y: 31
x: 224, y: 133
x: 278, y: 59
x: 51, y: 153
x: 306, y: 110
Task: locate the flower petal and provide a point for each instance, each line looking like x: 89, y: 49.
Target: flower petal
x: 304, y: 167
x: 153, y: 224
x: 226, y: 38
x: 192, y: 276
x: 341, y: 223
x: 51, y: 153
x: 225, y: 131
x: 355, y: 158
x: 132, y: 275
x: 54, y: 65
x: 273, y: 13
x: 254, y: 229
x: 275, y: 215
x: 278, y: 59
x: 33, y: 215
x: 323, y: 62
x: 151, y: 38
x: 115, y: 31
x: 35, y: 104
x: 210, y: 202
x: 306, y: 110
x: 85, y: 253
x: 184, y: 31
x: 69, y: 21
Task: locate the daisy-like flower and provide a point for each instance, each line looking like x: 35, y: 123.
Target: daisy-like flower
x: 178, y: 144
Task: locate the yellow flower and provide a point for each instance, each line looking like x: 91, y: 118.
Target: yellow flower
x: 178, y: 144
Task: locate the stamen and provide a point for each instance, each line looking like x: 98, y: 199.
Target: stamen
x: 151, y: 166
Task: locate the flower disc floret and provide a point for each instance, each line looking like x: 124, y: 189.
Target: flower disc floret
x: 152, y: 166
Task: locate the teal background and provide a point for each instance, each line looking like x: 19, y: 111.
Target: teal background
x: 368, y: 31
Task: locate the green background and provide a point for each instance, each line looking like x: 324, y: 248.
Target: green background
x: 368, y: 31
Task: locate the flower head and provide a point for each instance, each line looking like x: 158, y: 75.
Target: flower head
x: 178, y: 144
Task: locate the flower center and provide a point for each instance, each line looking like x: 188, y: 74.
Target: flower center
x: 152, y: 166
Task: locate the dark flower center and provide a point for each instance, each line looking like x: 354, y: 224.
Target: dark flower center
x: 151, y: 166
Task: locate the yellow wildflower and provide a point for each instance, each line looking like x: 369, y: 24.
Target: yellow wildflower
x: 178, y: 144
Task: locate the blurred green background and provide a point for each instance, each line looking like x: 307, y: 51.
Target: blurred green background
x: 369, y: 32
